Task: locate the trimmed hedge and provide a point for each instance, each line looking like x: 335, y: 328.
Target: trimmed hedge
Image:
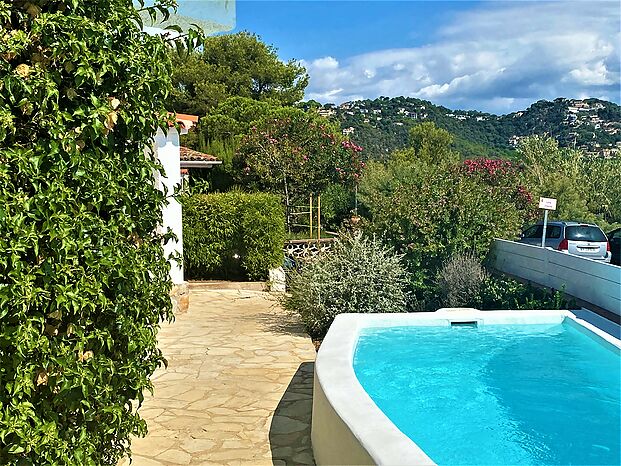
x: 233, y: 235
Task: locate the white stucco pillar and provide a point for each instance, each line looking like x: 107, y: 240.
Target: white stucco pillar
x: 166, y: 146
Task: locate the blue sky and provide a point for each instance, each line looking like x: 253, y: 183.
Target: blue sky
x: 496, y: 56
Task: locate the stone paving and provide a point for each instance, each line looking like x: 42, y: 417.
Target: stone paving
x: 238, y: 387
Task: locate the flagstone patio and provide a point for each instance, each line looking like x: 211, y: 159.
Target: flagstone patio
x: 238, y: 387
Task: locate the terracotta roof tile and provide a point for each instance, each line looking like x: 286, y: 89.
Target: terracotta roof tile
x: 187, y: 121
x: 190, y: 155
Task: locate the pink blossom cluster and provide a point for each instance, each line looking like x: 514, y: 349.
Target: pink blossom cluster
x: 489, y: 166
x: 351, y: 145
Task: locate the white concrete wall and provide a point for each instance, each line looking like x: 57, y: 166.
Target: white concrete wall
x: 166, y: 147
x: 591, y: 281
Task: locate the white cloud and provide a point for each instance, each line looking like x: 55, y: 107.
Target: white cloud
x: 497, y: 57
x: 325, y: 63
x: 595, y: 75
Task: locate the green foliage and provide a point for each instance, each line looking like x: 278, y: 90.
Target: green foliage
x: 586, y: 189
x: 463, y: 282
x: 220, y: 132
x: 234, y: 65
x: 232, y: 235
x: 84, y: 282
x: 337, y: 205
x: 294, y: 153
x: 600, y: 182
x: 432, y: 144
x: 357, y: 275
x: 429, y: 214
x: 505, y: 293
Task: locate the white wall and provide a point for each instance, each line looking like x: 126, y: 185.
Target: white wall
x: 166, y: 147
x: 591, y: 281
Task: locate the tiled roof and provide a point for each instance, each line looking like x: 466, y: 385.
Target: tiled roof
x: 190, y: 155
x: 186, y: 121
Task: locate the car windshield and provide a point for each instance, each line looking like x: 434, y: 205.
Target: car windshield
x: 584, y: 233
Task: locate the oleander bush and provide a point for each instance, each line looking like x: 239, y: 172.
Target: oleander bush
x: 233, y: 235
x: 357, y: 275
x: 83, y: 278
x: 429, y: 213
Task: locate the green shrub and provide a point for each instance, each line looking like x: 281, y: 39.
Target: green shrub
x: 357, y: 275
x: 430, y: 213
x: 500, y: 292
x: 464, y: 282
x: 232, y: 235
x: 83, y: 278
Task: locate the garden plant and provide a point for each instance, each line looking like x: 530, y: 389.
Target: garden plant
x: 233, y: 235
x: 358, y: 275
x: 83, y: 278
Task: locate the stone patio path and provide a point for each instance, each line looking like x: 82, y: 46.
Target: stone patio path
x: 238, y: 387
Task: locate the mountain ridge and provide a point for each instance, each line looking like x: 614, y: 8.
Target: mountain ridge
x: 382, y: 125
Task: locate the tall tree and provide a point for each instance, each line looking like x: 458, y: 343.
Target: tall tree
x: 294, y: 153
x: 560, y: 174
x: 235, y: 65
x: 432, y: 144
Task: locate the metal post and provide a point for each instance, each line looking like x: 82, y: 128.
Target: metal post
x: 318, y: 217
x: 545, y: 227
x: 310, y: 215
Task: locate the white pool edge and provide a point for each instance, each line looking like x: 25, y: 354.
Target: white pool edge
x: 347, y: 426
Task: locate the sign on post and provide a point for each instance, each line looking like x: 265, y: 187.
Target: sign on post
x: 546, y: 203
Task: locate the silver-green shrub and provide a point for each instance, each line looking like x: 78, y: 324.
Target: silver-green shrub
x: 358, y: 275
x: 460, y: 280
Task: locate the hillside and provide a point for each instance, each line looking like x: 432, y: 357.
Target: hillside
x: 382, y: 125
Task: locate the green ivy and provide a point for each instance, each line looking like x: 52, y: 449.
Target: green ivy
x: 83, y: 278
x: 232, y: 235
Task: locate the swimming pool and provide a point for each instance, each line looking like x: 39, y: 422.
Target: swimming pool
x: 510, y: 387
x: 498, y: 394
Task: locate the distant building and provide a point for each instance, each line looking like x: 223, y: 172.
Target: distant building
x: 326, y: 112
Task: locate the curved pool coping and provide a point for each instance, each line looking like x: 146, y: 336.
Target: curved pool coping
x: 347, y: 426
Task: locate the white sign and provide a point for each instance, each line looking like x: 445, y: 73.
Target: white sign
x: 547, y: 203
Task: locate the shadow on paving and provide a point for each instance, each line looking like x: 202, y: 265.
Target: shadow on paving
x: 287, y: 323
x: 290, y: 430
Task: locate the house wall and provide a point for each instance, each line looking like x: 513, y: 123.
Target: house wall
x: 167, y: 148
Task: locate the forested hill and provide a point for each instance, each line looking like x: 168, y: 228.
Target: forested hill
x: 382, y: 125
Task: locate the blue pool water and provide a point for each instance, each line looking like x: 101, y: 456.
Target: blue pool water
x: 501, y: 395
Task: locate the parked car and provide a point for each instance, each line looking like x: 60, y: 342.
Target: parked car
x: 580, y: 239
x: 614, y: 238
